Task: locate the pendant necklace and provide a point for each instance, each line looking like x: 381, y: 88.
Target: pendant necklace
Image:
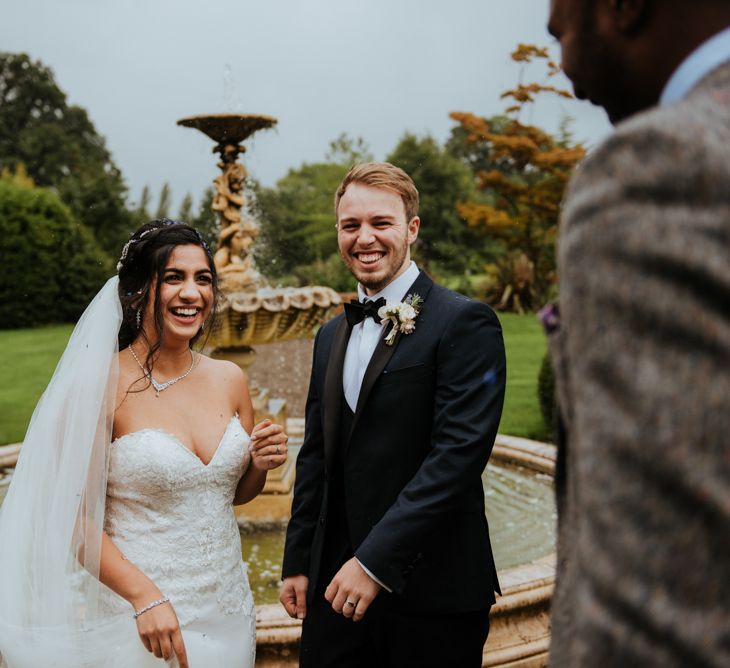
x: 160, y: 387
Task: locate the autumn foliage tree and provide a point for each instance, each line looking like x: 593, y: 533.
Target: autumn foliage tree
x: 521, y: 172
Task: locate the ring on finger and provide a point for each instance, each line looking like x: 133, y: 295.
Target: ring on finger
x: 350, y: 603
x: 278, y: 449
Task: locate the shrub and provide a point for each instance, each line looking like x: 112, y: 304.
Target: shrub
x: 51, y: 265
x: 546, y: 393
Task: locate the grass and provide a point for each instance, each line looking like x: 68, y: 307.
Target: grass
x: 27, y: 360
x: 525, y: 346
x: 29, y: 356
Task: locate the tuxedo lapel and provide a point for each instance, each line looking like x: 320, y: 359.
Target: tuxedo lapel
x: 383, y: 352
x: 333, y: 389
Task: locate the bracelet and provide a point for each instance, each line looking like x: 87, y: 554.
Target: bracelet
x: 149, y: 606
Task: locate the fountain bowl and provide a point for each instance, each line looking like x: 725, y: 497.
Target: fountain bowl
x: 271, y: 314
x: 228, y: 128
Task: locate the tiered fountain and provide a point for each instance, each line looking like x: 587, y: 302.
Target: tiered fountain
x: 251, y: 312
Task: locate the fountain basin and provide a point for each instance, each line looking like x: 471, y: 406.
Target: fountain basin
x: 271, y: 314
x: 519, y: 634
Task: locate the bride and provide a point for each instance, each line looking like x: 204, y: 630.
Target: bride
x: 118, y: 541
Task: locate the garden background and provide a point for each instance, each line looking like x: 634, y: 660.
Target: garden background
x: 490, y: 195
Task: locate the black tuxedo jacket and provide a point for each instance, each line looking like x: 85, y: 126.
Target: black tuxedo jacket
x: 423, y: 430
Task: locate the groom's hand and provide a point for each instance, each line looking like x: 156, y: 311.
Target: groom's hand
x: 352, y: 590
x: 293, y: 595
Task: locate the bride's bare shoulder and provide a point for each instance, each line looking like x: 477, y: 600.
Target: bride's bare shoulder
x: 221, y: 371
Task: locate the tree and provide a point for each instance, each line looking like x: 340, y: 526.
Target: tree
x: 163, y: 204
x: 522, y: 172
x: 297, y: 218
x: 348, y: 151
x: 186, y: 209
x: 446, y: 244
x: 60, y: 148
x: 205, y: 221
x: 52, y: 266
x: 18, y: 176
x: 141, y: 212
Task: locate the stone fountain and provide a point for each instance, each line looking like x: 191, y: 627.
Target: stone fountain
x: 251, y: 312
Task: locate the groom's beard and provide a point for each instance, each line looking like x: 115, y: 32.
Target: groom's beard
x: 393, y: 263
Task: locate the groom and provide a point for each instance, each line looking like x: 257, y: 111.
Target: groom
x: 387, y: 556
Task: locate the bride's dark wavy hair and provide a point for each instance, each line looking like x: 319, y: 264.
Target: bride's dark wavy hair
x: 141, y: 271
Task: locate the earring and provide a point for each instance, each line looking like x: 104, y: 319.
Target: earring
x: 139, y: 317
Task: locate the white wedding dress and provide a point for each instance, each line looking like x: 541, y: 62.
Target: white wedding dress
x: 172, y: 516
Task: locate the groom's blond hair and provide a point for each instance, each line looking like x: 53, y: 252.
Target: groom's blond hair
x: 382, y: 175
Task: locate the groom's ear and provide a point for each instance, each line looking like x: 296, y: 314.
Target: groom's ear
x: 413, y: 226
x: 629, y: 16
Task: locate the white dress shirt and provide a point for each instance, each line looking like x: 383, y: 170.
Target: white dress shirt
x: 366, y: 334
x: 363, y: 341
x: 705, y: 58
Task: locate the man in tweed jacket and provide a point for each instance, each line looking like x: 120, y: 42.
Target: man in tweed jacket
x: 642, y: 348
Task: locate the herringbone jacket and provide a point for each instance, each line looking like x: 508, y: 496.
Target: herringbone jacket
x: 642, y: 359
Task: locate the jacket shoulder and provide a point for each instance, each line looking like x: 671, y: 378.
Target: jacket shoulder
x: 327, y: 331
x: 450, y: 303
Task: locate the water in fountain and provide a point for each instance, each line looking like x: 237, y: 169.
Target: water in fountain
x: 231, y: 100
x: 520, y: 507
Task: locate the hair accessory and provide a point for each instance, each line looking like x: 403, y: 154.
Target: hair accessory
x: 202, y: 241
x: 159, y: 225
x: 149, y: 606
x: 123, y: 257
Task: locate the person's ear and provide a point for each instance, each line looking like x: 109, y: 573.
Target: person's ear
x: 413, y: 226
x: 629, y: 15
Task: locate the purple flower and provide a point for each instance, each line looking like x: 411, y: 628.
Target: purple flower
x: 549, y: 316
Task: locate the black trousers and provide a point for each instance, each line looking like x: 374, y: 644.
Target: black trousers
x: 390, y: 638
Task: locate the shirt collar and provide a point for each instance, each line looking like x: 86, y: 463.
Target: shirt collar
x: 693, y: 69
x: 395, y: 291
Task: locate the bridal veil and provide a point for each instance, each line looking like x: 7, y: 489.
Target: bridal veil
x: 53, y: 516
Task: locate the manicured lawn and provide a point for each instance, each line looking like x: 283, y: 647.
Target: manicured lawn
x: 29, y: 356
x: 27, y: 360
x: 525, y: 345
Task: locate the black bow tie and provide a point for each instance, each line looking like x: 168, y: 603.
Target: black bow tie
x: 357, y: 311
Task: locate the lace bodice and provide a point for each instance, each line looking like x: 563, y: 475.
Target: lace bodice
x: 172, y: 516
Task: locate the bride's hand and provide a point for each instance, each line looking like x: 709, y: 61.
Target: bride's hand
x: 160, y: 633
x: 268, y: 445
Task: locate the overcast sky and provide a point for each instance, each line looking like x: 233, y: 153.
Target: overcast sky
x: 373, y: 69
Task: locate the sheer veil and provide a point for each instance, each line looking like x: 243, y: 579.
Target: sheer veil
x: 53, y: 516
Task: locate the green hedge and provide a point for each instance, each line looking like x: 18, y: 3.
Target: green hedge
x: 50, y: 266
x: 546, y: 393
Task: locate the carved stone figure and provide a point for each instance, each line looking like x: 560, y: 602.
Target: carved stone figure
x: 233, y: 259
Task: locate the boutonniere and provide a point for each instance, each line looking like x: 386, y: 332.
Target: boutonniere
x: 403, y: 316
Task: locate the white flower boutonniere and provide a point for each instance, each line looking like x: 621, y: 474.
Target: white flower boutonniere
x: 403, y: 316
